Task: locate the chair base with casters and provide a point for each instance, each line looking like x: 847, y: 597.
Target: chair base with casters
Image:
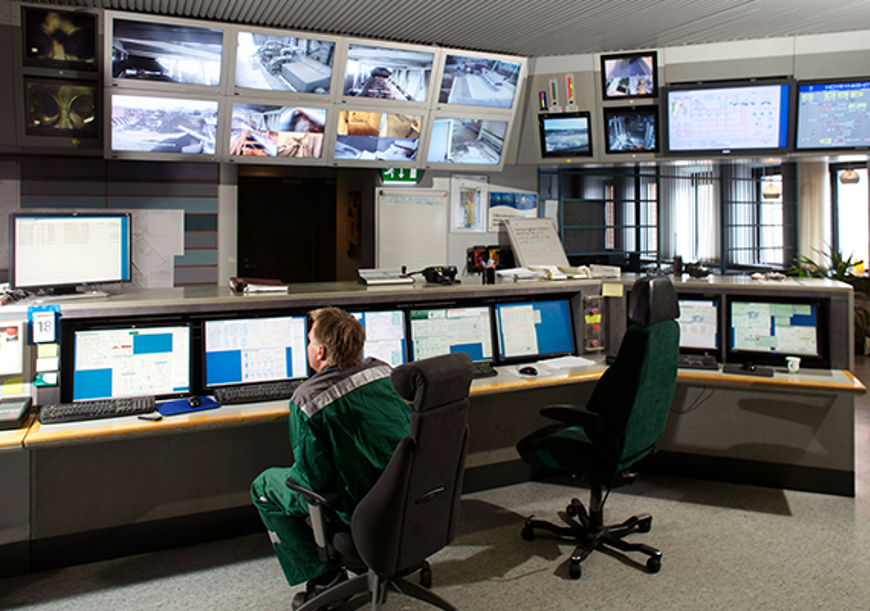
x: 588, y: 531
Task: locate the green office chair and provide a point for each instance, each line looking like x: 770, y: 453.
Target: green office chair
x: 621, y: 423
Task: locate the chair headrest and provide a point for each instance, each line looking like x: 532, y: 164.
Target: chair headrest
x: 434, y: 381
x: 652, y: 299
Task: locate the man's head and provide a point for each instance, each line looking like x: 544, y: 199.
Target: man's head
x: 335, y: 338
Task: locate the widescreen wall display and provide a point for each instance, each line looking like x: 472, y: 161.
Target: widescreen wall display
x: 833, y: 114
x: 150, y: 124
x: 478, y: 81
x: 373, y: 136
x: 270, y: 62
x: 466, y: 141
x: 387, y: 73
x: 268, y: 130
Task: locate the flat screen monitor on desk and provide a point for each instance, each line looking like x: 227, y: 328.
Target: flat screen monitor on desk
x: 766, y: 330
x: 699, y: 325
x: 533, y: 330
x: 436, y: 331
x: 385, y: 335
x: 130, y: 361
x: 251, y: 350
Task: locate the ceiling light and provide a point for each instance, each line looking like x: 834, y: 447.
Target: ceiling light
x: 849, y: 177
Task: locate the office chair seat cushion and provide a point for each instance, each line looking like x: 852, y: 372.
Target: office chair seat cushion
x: 435, y: 381
x: 570, y: 449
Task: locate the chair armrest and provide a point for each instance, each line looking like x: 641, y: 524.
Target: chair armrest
x: 318, y: 504
x: 570, y: 414
x: 328, y: 500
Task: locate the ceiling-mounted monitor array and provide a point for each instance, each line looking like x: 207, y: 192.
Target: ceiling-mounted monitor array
x: 179, y: 88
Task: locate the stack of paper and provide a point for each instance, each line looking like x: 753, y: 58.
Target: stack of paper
x: 520, y: 274
x: 258, y: 285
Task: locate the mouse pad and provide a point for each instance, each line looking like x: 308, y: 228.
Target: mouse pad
x: 181, y: 406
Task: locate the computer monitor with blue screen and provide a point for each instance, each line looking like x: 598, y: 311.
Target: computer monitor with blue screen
x: 251, y: 350
x: 534, y: 329
x: 766, y: 330
x: 699, y: 325
x: 437, y: 331
x: 130, y: 361
x: 385, y: 335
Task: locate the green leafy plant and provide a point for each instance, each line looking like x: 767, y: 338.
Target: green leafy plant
x: 832, y: 265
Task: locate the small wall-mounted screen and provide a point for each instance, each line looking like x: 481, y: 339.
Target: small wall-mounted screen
x: 387, y: 73
x: 151, y: 51
x: 631, y: 130
x: 565, y: 134
x: 373, y: 136
x: 629, y: 75
x: 466, y: 141
x: 59, y: 39
x: 385, y: 335
x: 55, y: 107
x: 439, y: 331
x: 163, y: 125
x: 833, y: 115
x: 131, y: 361
x: 262, y: 130
x: 283, y: 63
x: 477, y: 81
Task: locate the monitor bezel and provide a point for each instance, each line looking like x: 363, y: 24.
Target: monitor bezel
x: 635, y: 54
x: 821, y: 361
x: 65, y: 68
x: 451, y: 107
x: 510, y: 360
x: 717, y: 301
x: 68, y: 214
x: 797, y: 114
x: 204, y: 387
x: 544, y: 116
x: 787, y: 107
x: 447, y: 306
x: 386, y: 108
x: 67, y: 349
x: 647, y: 110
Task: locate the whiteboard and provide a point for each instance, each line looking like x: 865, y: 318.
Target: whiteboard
x: 535, y: 242
x: 411, y: 228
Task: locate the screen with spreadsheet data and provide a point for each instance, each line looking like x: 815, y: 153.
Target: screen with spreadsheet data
x: 530, y: 330
x: 439, y: 331
x: 131, y: 361
x: 385, y: 335
x: 249, y: 350
x: 699, y: 324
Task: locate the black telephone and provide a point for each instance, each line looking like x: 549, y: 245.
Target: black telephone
x: 437, y: 274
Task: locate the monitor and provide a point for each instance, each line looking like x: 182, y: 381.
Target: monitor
x: 271, y: 62
x: 445, y: 330
x: 143, y: 123
x: 387, y: 73
x: 532, y: 330
x: 629, y: 75
x: 385, y: 335
x: 833, y: 114
x: 250, y: 350
x: 723, y: 118
x: 269, y: 130
x: 61, y: 108
x: 377, y: 136
x: 54, y: 38
x: 66, y: 250
x: 466, y: 141
x: 565, y: 134
x: 478, y: 81
x: 129, y: 361
x: 631, y: 129
x: 699, y: 325
x: 765, y: 330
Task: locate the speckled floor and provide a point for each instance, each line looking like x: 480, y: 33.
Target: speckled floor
x: 725, y: 546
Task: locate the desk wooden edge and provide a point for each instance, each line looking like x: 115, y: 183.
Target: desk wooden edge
x: 484, y: 387
x: 716, y: 377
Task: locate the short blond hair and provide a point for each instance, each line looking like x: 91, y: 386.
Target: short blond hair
x: 341, y: 334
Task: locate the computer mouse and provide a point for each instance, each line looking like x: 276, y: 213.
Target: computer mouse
x: 528, y: 370
x: 195, y: 401
x: 749, y: 366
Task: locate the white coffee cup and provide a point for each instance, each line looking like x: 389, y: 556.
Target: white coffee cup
x: 793, y: 363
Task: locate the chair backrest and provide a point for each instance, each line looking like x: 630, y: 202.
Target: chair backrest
x: 412, y: 511
x: 634, y: 395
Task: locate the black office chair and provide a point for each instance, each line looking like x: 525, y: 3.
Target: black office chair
x: 412, y: 511
x: 621, y: 423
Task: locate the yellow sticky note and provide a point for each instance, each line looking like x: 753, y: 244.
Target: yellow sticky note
x: 46, y: 350
x: 13, y: 386
x: 611, y: 289
x: 592, y: 319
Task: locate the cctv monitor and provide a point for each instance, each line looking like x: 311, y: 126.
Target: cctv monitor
x: 65, y: 251
x: 833, y: 115
x: 131, y: 360
x: 377, y: 136
x: 63, y: 40
x: 532, y: 330
x: 387, y: 73
x: 629, y: 75
x: 385, y: 335
x: 273, y: 62
x: 251, y: 350
x: 565, y: 134
x: 270, y: 130
x: 445, y: 330
x: 631, y: 129
x: 479, y: 81
x: 60, y: 108
x: 466, y: 141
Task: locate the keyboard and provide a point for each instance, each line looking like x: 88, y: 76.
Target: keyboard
x: 254, y: 393
x: 698, y: 361
x: 96, y: 408
x: 483, y: 370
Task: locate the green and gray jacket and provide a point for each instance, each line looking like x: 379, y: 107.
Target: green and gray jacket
x: 344, y: 426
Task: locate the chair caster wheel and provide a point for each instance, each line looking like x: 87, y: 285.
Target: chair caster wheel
x: 574, y: 570
x: 654, y: 564
x: 527, y: 533
x: 426, y: 577
x: 644, y: 525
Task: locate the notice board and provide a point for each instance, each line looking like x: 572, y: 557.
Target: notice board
x: 536, y: 242
x: 410, y: 228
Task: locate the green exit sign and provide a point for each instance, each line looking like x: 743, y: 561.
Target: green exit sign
x: 400, y: 175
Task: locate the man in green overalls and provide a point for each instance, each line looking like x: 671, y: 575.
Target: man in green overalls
x: 345, y: 422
